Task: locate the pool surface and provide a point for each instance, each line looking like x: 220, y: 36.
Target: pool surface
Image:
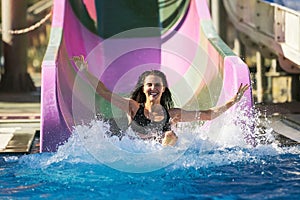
x: 227, y: 168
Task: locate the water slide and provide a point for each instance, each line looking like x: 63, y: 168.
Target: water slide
x: 272, y: 25
x: 178, y: 38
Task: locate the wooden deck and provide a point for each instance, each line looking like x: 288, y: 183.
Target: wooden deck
x: 19, y: 123
x: 18, y: 137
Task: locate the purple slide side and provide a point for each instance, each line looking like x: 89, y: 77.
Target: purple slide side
x: 201, y: 70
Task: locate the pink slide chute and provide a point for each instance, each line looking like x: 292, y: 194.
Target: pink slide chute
x: 201, y: 70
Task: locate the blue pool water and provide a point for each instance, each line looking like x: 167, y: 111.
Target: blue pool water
x: 292, y: 4
x: 212, y: 166
x: 223, y: 173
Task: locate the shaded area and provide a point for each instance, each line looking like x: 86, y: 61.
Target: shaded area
x: 15, y: 77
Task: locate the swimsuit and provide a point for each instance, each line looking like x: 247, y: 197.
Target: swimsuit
x: 148, y: 129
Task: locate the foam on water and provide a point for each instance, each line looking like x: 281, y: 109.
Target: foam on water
x: 233, y: 137
x: 210, y: 159
x: 226, y: 140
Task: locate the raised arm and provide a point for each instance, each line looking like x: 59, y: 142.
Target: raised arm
x: 127, y: 105
x: 180, y: 115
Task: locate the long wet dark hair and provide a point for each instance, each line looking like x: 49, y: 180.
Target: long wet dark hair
x: 139, y: 96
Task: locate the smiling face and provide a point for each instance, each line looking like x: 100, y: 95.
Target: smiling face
x: 153, y: 88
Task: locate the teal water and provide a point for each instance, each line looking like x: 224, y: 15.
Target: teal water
x: 224, y: 173
x: 205, y: 164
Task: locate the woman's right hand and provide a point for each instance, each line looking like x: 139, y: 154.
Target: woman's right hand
x: 80, y: 62
x: 242, y: 89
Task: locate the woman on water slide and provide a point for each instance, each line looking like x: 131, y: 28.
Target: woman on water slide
x: 150, y: 107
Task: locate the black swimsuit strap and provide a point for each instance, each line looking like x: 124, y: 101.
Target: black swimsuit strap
x: 143, y: 121
x: 140, y: 117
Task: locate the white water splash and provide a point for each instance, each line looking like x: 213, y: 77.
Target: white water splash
x: 219, y: 142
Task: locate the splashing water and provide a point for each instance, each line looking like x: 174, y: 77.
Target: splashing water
x: 90, y: 142
x: 211, y: 159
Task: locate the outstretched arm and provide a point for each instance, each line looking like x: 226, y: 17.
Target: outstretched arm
x: 217, y: 111
x: 180, y: 115
x: 124, y: 104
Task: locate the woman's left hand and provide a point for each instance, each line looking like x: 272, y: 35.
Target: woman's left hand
x: 242, y: 89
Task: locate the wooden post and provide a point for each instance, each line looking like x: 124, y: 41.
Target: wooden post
x: 219, y: 18
x: 15, y: 77
x: 260, y: 79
